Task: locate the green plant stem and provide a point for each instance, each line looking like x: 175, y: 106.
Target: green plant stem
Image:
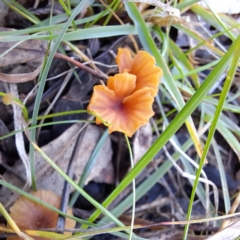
x: 68, y: 12
x: 113, y: 9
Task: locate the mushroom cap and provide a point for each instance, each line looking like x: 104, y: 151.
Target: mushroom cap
x: 29, y: 215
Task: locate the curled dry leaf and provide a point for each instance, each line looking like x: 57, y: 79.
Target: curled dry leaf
x: 30, y: 51
x: 60, y: 150
x: 20, y: 77
x: 26, y: 51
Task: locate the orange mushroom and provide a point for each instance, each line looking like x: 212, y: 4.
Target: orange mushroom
x: 125, y: 104
x: 122, y: 108
x: 29, y: 215
x: 142, y: 66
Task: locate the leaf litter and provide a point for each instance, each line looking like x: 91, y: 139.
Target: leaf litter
x: 23, y: 61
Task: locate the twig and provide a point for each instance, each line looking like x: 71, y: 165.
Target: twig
x: 80, y: 65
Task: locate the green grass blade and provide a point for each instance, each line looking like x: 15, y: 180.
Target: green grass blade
x: 80, y: 34
x: 226, y: 197
x: 146, y: 185
x: 176, y: 123
x: 213, y: 20
x: 42, y: 125
x: 89, y: 166
x: 76, y: 187
x: 43, y: 78
x: 184, y: 60
x: 168, y: 81
x: 212, y: 129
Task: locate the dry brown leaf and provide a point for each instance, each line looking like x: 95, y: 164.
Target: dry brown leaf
x: 20, y: 77
x: 24, y: 52
x: 106, y: 176
x: 60, y: 150
x: 142, y: 142
x: 30, y: 51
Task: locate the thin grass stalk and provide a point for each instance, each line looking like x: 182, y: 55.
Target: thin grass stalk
x: 44, y: 125
x: 226, y: 196
x: 22, y: 11
x: 76, y: 187
x: 89, y: 166
x: 168, y: 81
x: 176, y: 123
x: 223, y: 96
x: 146, y: 185
x: 133, y: 188
x: 18, y: 102
x: 42, y: 81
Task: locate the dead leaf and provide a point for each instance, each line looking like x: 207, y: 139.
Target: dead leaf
x: 106, y: 176
x: 24, y: 52
x: 60, y: 150
x: 142, y: 142
x: 20, y: 78
x: 30, y: 51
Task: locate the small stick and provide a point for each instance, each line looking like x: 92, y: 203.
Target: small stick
x: 80, y: 65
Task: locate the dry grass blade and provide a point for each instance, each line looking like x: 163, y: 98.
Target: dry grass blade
x: 230, y: 232
x: 232, y: 210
